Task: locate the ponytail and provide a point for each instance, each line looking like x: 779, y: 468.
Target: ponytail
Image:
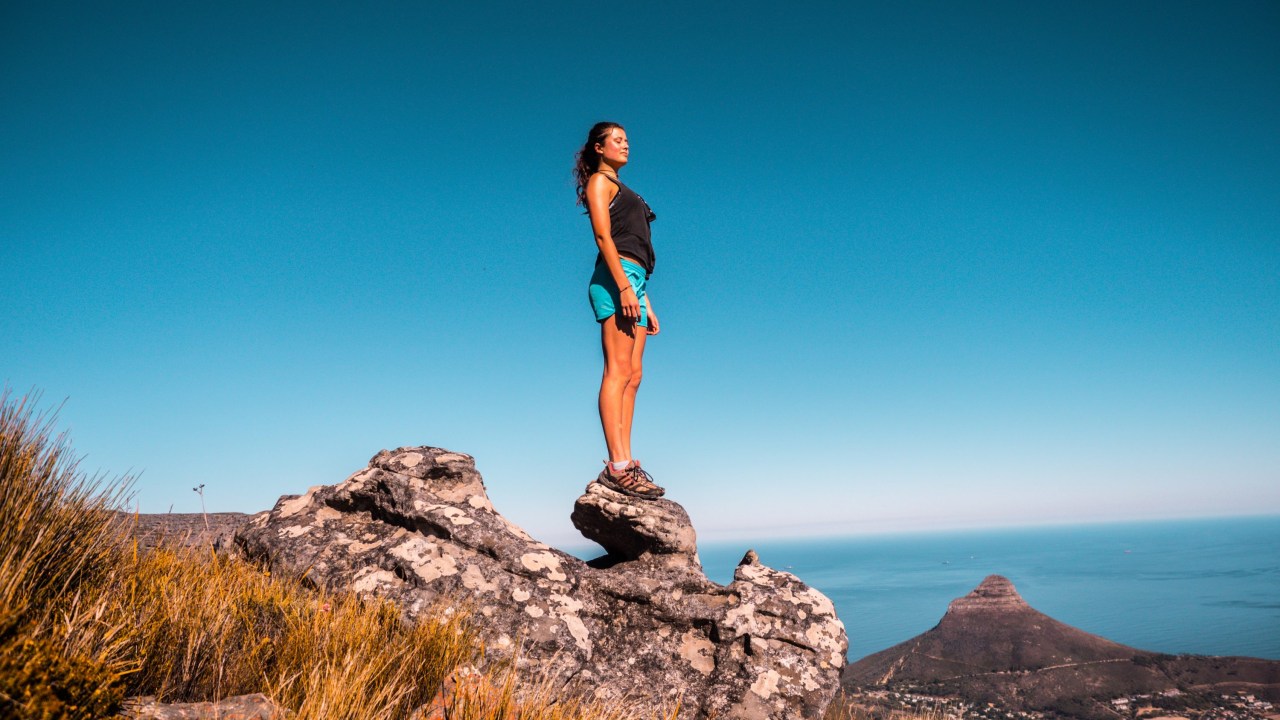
x: 587, y: 160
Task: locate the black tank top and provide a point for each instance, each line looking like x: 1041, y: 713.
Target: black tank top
x: 629, y: 218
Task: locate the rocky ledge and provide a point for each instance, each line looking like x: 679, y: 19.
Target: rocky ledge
x: 643, y: 623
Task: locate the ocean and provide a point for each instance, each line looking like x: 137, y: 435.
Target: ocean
x: 1208, y: 587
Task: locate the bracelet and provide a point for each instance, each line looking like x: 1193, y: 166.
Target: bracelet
x: 626, y: 288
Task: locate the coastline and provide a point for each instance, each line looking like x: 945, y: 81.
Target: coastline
x: 1207, y: 586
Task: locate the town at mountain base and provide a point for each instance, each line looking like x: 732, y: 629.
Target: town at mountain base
x: 993, y: 655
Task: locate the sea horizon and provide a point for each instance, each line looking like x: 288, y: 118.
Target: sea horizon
x: 1204, y: 586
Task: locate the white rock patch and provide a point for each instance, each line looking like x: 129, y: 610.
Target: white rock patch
x: 539, y: 561
x: 292, y: 507
x: 766, y: 684
x: 426, y: 559
x: 372, y: 578
x: 698, y: 651
x: 473, y: 579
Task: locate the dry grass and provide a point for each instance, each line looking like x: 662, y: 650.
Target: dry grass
x: 209, y: 627
x: 56, y: 546
x: 87, y: 620
x: 54, y: 531
x: 498, y: 695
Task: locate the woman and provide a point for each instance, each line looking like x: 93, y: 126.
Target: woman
x: 620, y: 221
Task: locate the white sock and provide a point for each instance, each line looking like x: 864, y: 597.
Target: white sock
x: 618, y: 467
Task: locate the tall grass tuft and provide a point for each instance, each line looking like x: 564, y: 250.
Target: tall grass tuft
x: 57, y: 541
x: 56, y: 532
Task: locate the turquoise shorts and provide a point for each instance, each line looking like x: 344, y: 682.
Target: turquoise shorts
x: 603, y: 291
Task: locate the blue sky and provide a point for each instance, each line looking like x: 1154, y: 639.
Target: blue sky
x: 920, y: 265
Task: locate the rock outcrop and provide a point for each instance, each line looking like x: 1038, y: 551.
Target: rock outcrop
x: 643, y: 623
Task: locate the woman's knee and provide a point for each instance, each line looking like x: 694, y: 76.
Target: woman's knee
x: 634, y: 377
x: 619, y: 371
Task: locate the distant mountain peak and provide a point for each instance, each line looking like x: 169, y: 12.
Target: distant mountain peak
x: 990, y: 630
x: 995, y: 592
x: 991, y: 646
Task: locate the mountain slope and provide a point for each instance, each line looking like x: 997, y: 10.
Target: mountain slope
x: 991, y: 646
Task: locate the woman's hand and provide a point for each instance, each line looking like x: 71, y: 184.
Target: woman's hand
x: 653, y: 319
x: 630, y: 303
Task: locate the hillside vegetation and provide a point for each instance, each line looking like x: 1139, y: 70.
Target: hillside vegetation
x: 87, y: 620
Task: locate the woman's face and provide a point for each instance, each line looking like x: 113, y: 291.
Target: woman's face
x: 614, y: 150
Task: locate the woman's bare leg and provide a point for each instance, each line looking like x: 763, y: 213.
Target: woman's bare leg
x: 619, y: 339
x: 633, y: 385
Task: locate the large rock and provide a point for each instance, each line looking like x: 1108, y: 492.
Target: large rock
x: 416, y: 526
x: 628, y: 529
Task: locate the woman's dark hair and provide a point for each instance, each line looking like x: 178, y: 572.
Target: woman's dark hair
x: 588, y: 160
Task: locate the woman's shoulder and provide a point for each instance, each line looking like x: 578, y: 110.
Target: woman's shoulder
x: 601, y: 182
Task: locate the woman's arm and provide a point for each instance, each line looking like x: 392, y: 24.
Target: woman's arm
x: 600, y: 192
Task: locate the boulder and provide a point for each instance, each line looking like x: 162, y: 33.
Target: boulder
x: 646, y: 626
x: 628, y: 529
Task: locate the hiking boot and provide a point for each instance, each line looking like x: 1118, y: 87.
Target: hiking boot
x: 629, y: 482
x: 644, y: 478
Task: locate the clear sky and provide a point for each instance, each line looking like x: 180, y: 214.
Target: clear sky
x: 920, y: 265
